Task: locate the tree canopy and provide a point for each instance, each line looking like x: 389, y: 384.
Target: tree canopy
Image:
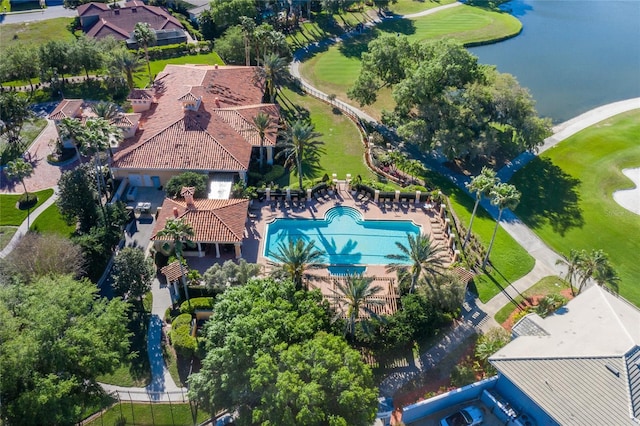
x: 188, y: 179
x: 132, y: 273
x: 57, y: 337
x: 260, y: 344
x: 446, y: 101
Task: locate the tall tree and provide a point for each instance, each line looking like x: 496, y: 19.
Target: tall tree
x: 263, y: 123
x: 56, y: 62
x: 354, y: 298
x: 57, y: 336
x: 71, y: 128
x: 132, y: 274
x: 480, y: 186
x: 125, y: 62
x: 297, y: 391
x: 503, y: 196
x: 248, y: 26
x: 14, y: 111
x: 86, y: 52
x: 19, y: 169
x: 21, y: 63
x: 77, y: 198
x: 145, y: 37
x: 572, y: 262
x: 594, y: 265
x: 274, y: 71
x: 180, y: 233
x: 295, y: 257
x: 263, y: 316
x: 299, y: 148
x: 422, y: 256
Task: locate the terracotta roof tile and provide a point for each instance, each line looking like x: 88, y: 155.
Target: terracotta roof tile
x: 227, y: 87
x: 241, y: 119
x: 212, y: 220
x: 67, y: 108
x: 126, y: 120
x: 173, y: 272
x: 186, y: 145
x: 140, y: 94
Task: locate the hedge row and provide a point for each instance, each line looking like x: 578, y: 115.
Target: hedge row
x: 181, y: 339
x: 175, y: 50
x: 203, y: 303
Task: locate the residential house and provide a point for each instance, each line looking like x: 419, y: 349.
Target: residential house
x: 196, y: 118
x: 99, y: 20
x: 579, y: 366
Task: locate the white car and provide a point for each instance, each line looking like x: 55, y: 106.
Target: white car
x: 468, y: 416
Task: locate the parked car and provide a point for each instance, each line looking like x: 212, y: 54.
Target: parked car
x: 468, y: 416
x: 224, y: 420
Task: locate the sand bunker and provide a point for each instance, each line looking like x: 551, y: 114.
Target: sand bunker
x: 630, y: 198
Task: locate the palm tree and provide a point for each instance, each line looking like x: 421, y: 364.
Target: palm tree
x: 72, y: 129
x: 274, y: 71
x: 262, y: 123
x: 481, y: 186
x: 127, y: 63
x: 423, y: 255
x: 19, y: 169
x: 573, y: 265
x: 354, y: 297
x: 180, y: 233
x: 145, y: 36
x: 295, y: 257
x: 596, y: 265
x: 106, y: 110
x: 248, y: 29
x: 503, y: 196
x: 298, y: 148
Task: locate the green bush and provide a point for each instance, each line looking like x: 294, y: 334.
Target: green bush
x: 182, y: 320
x: 196, y: 180
x: 147, y: 301
x: 462, y: 375
x: 276, y: 172
x: 27, y: 200
x: 183, y: 342
x: 205, y: 303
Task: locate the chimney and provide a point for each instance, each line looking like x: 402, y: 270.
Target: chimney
x: 187, y: 194
x: 175, y: 212
x: 215, y: 66
x: 217, y: 102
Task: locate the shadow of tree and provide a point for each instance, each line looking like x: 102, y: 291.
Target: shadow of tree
x: 354, y: 47
x: 549, y: 195
x: 398, y: 26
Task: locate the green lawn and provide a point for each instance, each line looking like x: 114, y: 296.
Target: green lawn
x: 335, y: 70
x: 326, y: 26
x: 34, y: 32
x: 51, y: 222
x: 10, y: 215
x: 567, y: 196
x: 142, y: 414
x: 142, y: 77
x: 343, y: 148
x: 508, y: 259
x: 406, y: 7
x: 544, y: 287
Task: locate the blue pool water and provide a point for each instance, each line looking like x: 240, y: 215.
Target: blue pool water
x: 344, y: 236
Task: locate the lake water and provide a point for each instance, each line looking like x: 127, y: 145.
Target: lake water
x: 572, y: 55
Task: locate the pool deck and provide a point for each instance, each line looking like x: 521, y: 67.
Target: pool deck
x: 262, y: 213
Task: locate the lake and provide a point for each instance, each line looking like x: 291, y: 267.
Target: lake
x: 572, y: 55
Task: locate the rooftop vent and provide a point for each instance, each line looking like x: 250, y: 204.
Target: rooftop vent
x: 134, y: 10
x: 613, y: 370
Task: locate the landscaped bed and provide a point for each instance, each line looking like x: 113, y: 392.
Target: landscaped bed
x: 10, y: 215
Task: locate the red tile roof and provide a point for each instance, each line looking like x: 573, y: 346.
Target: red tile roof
x: 121, y: 22
x: 218, y: 136
x: 126, y: 119
x: 67, y: 108
x: 140, y: 94
x: 221, y: 221
x: 173, y: 272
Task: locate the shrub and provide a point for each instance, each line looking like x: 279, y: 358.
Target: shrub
x: 197, y: 180
x: 182, y: 320
x: 276, y: 172
x: 183, y: 342
x: 27, y: 200
x: 147, y: 301
x: 462, y: 375
x: 196, y: 303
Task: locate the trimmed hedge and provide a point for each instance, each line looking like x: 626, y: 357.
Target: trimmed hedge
x: 181, y: 320
x: 183, y: 342
x: 205, y: 303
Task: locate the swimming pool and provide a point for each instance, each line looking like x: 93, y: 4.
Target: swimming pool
x: 344, y: 236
